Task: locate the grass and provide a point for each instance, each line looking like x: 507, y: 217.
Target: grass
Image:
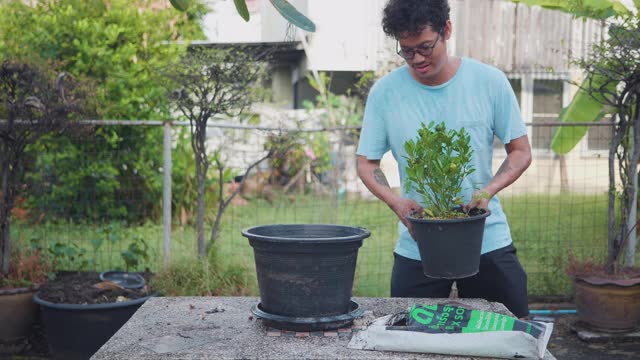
x: 544, y: 228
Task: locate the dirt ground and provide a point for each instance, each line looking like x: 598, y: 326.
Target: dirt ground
x: 564, y: 345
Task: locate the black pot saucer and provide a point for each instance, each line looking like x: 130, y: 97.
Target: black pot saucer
x: 308, y: 323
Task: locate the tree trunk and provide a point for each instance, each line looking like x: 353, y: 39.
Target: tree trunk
x: 632, y: 240
x: 198, y: 142
x: 200, y: 212
x: 564, y: 178
x: 6, y: 204
x: 611, y: 243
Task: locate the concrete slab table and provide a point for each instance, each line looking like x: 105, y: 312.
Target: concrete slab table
x: 224, y: 328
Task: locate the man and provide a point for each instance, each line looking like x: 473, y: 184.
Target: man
x: 460, y: 92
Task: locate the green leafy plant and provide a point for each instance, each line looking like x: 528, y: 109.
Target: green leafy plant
x: 116, y: 44
x: 135, y: 253
x: 438, y: 161
x: 68, y: 255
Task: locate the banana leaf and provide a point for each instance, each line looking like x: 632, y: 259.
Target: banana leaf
x: 241, y: 8
x: 583, y: 108
x: 181, y: 5
x: 595, y: 9
x: 293, y: 16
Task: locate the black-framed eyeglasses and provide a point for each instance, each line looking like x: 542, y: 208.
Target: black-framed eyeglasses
x: 409, y: 52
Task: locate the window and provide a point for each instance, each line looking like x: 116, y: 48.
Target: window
x: 547, y: 104
x: 599, y: 137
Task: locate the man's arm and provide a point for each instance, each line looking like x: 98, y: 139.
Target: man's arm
x: 372, y: 176
x: 517, y: 161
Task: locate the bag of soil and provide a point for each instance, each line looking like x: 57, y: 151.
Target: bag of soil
x: 456, y: 330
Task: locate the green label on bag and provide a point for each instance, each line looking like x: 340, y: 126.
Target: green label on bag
x: 445, y: 318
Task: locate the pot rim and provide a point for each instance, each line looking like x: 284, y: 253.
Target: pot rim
x: 20, y: 290
x: 66, y: 306
x: 449, y: 221
x: 351, y: 238
x: 598, y: 280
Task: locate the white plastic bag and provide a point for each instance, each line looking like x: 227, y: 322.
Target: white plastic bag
x: 455, y: 330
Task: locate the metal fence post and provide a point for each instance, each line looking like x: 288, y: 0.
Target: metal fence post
x: 166, y: 192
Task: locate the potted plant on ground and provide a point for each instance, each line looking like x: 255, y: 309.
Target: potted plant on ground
x: 449, y: 239
x: 27, y: 272
x: 607, y: 294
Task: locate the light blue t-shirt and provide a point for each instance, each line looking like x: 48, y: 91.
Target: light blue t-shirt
x: 478, y: 98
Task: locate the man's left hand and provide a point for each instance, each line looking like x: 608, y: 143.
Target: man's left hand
x: 480, y: 200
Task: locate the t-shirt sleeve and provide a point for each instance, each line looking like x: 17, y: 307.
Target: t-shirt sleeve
x: 373, y: 143
x: 508, y: 123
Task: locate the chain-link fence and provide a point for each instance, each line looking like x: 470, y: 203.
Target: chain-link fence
x: 96, y: 201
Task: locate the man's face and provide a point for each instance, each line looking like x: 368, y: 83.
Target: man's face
x: 425, y: 53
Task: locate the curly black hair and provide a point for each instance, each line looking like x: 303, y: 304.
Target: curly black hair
x: 412, y: 16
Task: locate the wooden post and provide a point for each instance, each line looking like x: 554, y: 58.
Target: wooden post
x: 166, y: 192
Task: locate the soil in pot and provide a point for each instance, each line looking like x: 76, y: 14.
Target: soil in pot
x: 78, y: 288
x: 80, y: 313
x: 450, y: 248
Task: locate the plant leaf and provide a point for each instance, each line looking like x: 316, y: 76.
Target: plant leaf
x: 583, y: 108
x: 241, y: 8
x: 596, y: 9
x: 293, y: 16
x: 181, y: 5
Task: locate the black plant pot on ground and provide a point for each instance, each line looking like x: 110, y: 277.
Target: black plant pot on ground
x: 77, y: 331
x: 305, y: 273
x: 450, y: 248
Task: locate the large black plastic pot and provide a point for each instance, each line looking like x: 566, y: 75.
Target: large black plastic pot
x: 78, y: 331
x: 450, y: 249
x: 306, y: 271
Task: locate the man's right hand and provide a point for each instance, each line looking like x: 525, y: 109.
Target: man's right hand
x: 373, y: 177
x: 404, y: 207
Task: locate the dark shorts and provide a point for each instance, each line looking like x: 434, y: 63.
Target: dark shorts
x: 501, y: 278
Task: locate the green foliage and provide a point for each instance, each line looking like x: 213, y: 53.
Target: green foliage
x: 181, y: 5
x: 339, y: 110
x: 73, y: 178
x: 334, y: 111
x: 596, y: 9
x: 201, y: 276
x: 583, y: 108
x: 68, y: 254
x: 438, y: 161
x: 184, y: 194
x: 136, y: 253
x: 119, y: 47
x: 292, y: 151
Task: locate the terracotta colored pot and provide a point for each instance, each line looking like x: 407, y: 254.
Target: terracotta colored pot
x: 17, y: 311
x: 608, y: 304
